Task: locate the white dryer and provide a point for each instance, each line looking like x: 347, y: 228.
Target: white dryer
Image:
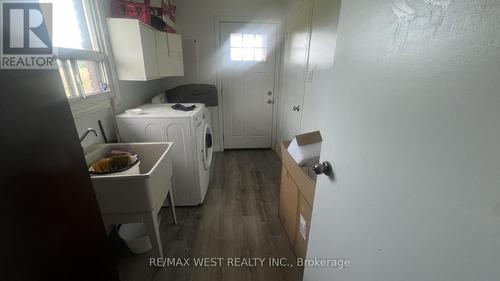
x: 192, y: 150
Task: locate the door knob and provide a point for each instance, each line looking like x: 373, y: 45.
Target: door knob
x: 270, y: 101
x: 269, y: 93
x: 323, y: 168
x: 296, y: 108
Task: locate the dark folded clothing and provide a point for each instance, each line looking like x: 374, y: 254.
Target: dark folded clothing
x: 181, y: 107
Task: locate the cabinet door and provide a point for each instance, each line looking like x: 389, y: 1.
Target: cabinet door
x: 149, y: 52
x: 296, y: 52
x: 162, y: 53
x: 175, y: 51
x: 126, y: 42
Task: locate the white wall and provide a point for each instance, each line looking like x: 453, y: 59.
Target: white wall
x: 410, y: 110
x: 196, y: 20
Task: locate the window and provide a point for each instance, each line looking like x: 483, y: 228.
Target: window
x: 248, y: 47
x: 81, y: 60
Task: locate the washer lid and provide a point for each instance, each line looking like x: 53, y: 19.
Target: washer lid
x: 164, y: 111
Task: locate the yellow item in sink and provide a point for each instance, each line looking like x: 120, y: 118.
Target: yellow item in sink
x: 112, y: 164
x: 101, y: 166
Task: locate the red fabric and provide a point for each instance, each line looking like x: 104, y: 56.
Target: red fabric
x: 127, y: 9
x: 169, y: 10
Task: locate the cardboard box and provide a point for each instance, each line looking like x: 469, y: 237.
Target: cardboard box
x: 289, y: 201
x: 305, y: 148
x: 296, y: 201
x: 304, y: 183
x: 303, y: 226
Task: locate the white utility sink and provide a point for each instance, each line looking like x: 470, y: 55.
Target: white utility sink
x: 135, y: 198
x: 133, y: 193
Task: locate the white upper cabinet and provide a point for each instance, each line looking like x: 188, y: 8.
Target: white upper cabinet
x: 175, y: 46
x: 143, y: 53
x: 169, y: 54
x: 147, y: 38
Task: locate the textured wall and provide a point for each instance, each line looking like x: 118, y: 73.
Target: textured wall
x: 410, y: 111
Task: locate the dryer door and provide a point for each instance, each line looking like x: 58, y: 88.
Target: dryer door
x: 207, y: 146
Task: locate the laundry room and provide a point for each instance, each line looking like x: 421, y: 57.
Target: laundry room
x: 249, y: 140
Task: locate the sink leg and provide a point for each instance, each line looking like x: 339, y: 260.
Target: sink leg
x: 152, y: 227
x: 172, y: 206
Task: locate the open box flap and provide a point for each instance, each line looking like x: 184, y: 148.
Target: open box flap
x: 309, y: 138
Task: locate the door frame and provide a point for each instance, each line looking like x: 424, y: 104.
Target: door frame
x: 219, y: 20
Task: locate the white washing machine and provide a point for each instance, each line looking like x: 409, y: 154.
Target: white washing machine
x: 192, y: 150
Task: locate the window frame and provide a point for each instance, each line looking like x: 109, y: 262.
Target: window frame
x: 82, y: 104
x: 69, y: 59
x: 241, y: 46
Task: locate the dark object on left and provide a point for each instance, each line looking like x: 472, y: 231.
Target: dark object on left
x: 51, y: 227
x: 103, y: 134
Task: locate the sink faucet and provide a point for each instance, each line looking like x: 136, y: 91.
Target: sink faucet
x: 89, y: 130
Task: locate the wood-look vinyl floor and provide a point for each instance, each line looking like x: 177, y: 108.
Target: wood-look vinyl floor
x: 239, y: 219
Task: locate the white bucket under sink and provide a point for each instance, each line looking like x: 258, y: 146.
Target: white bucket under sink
x: 135, y: 236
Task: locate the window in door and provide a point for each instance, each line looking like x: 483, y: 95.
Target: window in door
x: 249, y: 47
x: 81, y: 60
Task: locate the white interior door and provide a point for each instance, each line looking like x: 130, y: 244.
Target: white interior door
x: 411, y: 127
x: 248, y: 83
x: 297, y: 37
